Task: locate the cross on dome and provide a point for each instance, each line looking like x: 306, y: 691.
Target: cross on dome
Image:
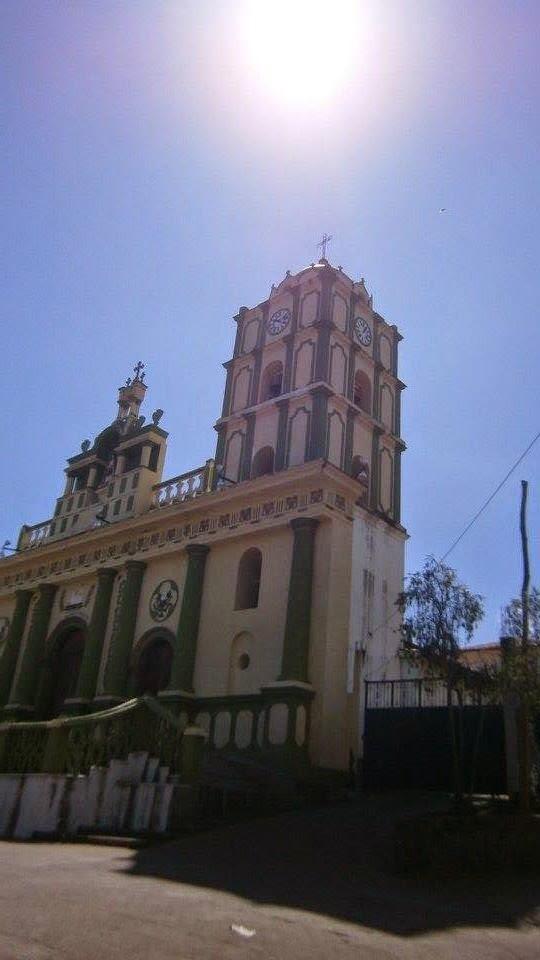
x: 323, y: 244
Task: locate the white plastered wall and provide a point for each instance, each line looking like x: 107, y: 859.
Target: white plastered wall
x: 220, y: 623
x: 378, y: 552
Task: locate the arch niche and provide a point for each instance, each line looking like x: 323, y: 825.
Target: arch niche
x: 153, y: 662
x: 61, y: 666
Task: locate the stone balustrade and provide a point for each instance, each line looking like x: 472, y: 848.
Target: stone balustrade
x: 184, y: 487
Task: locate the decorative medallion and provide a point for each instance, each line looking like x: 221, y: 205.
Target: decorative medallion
x: 163, y: 600
x: 278, y: 321
x: 362, y: 331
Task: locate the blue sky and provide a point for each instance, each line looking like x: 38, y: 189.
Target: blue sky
x: 154, y: 178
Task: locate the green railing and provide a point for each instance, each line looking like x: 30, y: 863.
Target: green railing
x: 74, y: 744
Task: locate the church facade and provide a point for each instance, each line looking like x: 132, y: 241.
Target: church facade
x: 252, y: 595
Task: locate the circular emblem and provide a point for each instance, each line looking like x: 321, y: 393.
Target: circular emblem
x: 362, y: 331
x: 163, y: 600
x: 278, y: 321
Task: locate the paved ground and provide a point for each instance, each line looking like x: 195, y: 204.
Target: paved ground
x: 312, y: 884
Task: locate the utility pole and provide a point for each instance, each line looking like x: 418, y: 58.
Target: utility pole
x: 525, y: 765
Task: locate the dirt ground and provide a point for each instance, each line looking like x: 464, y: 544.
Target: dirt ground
x: 311, y: 884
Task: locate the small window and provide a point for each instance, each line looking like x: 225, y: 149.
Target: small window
x: 135, y: 481
x: 63, y: 525
x: 116, y: 507
x: 52, y: 529
x: 272, y: 381
x: 130, y: 502
x: 123, y: 483
x: 362, y: 391
x: 58, y: 508
x: 263, y: 462
x: 110, y: 490
x: 69, y: 505
x: 248, y: 580
x: 244, y: 661
x: 75, y: 518
x: 154, y: 457
x: 80, y: 501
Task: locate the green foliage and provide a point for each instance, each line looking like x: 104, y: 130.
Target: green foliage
x: 439, y: 615
x: 512, y: 617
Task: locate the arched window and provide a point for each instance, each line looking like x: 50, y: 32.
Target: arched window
x: 154, y: 667
x: 248, y: 580
x: 359, y: 469
x: 362, y: 391
x: 263, y: 462
x: 65, y: 665
x: 272, y: 381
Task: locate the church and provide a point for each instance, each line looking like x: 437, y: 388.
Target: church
x: 254, y: 594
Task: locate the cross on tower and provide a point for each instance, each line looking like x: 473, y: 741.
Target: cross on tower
x: 137, y: 370
x: 323, y: 244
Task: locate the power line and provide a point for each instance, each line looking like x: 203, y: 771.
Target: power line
x: 490, y: 498
x: 462, y: 534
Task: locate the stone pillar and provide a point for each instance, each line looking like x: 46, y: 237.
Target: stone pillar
x: 8, y: 660
x: 88, y: 674
x: 23, y: 690
x: 116, y: 670
x: 294, y: 664
x: 188, y: 625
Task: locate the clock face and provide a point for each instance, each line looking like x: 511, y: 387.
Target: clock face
x: 362, y: 331
x: 278, y: 321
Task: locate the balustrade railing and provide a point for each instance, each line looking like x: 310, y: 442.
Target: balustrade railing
x: 74, y: 744
x: 184, y: 487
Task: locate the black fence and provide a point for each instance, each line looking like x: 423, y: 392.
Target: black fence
x: 407, y: 738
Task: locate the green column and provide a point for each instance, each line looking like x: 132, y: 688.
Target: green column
x: 23, y: 691
x: 8, y: 660
x: 86, y: 684
x: 375, y: 451
x: 319, y: 422
x: 281, y: 440
x: 397, y: 485
x: 349, y: 438
x: 294, y: 664
x: 116, y: 671
x: 188, y: 625
x: 245, y: 467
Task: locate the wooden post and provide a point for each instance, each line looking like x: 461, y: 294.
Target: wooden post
x: 525, y: 760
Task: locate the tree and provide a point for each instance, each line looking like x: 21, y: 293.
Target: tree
x: 439, y: 616
x: 512, y: 617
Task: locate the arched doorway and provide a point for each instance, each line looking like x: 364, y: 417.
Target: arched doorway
x: 63, y: 667
x: 153, y: 668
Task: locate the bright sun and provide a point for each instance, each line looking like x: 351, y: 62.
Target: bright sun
x: 302, y: 51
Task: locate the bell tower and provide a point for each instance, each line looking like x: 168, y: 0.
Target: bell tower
x: 314, y: 377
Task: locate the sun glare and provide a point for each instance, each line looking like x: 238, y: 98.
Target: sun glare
x: 302, y: 51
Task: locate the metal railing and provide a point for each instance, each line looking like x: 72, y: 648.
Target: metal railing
x: 74, y: 744
x: 423, y: 692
